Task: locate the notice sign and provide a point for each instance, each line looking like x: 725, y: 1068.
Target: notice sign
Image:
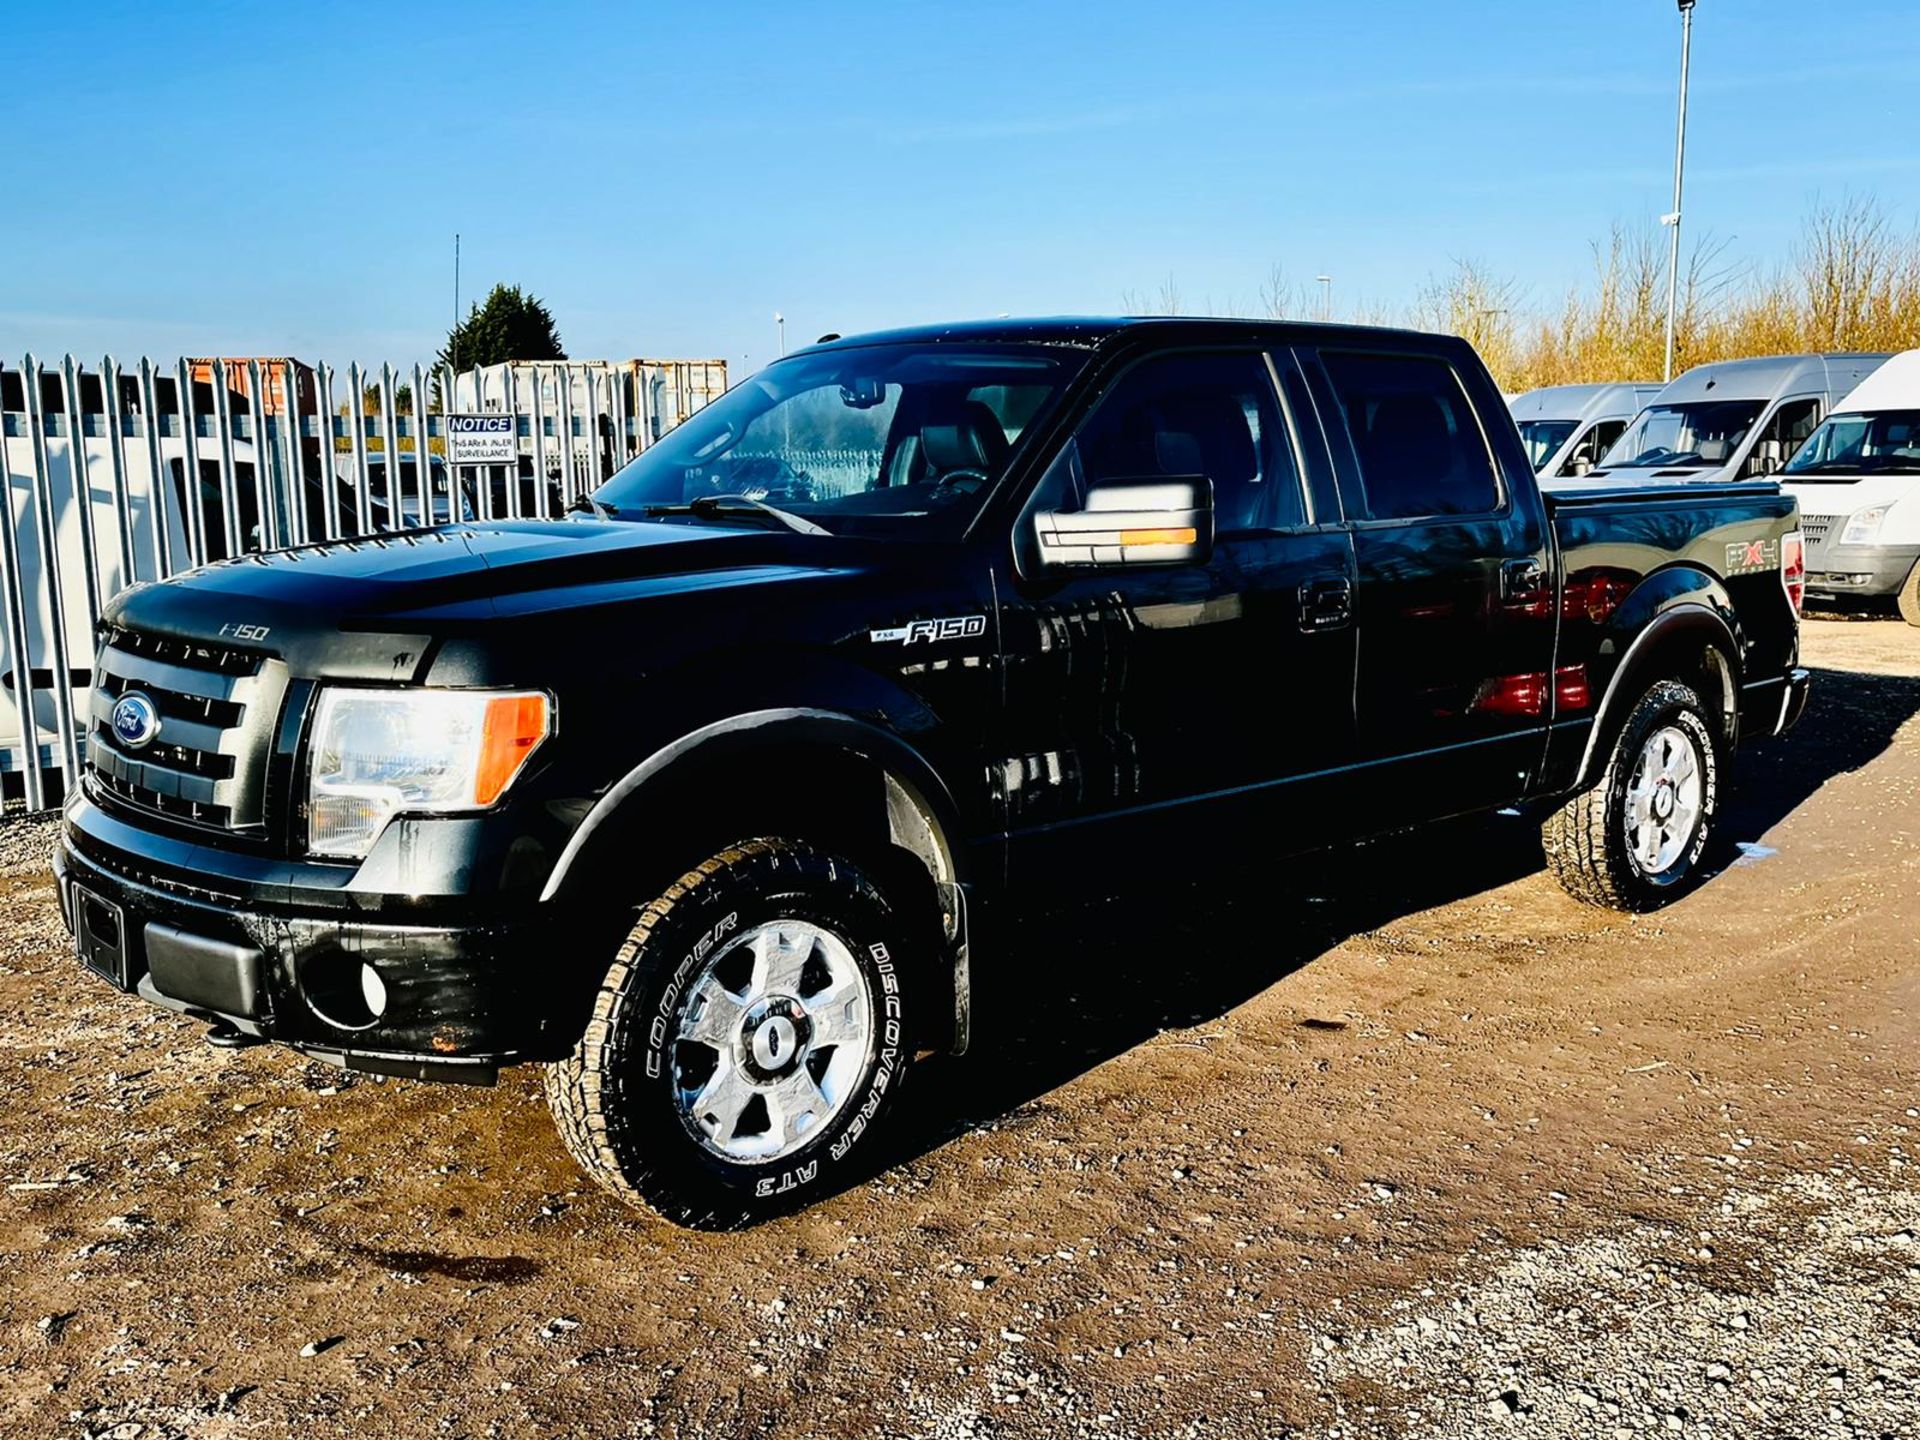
x: 482, y: 440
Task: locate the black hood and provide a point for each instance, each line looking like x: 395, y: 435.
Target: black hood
x: 401, y: 589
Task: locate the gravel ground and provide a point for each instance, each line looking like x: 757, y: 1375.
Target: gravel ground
x: 1412, y: 1147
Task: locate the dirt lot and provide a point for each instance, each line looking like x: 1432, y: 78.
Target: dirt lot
x: 1412, y: 1147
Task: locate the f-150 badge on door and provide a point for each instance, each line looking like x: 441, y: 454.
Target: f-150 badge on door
x: 953, y: 627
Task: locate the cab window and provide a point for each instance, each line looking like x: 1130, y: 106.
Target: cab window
x: 1420, y: 448
x: 1189, y: 414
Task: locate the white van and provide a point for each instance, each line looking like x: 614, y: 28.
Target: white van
x: 1733, y: 419
x: 1858, y: 483
x: 1567, y: 428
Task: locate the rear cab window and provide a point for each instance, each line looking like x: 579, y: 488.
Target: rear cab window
x: 1419, y: 446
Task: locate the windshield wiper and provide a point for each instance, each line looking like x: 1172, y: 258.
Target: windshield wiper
x: 586, y: 504
x: 712, y: 507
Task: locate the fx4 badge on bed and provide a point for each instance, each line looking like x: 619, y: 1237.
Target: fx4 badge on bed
x: 1748, y: 557
x: 953, y: 627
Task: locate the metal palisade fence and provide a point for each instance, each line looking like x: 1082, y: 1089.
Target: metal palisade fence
x: 123, y: 473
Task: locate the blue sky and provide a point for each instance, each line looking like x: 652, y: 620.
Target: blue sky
x: 281, y: 178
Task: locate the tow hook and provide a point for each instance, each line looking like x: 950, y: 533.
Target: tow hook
x: 223, y: 1036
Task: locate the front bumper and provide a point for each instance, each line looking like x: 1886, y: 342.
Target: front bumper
x: 1864, y: 570
x: 360, y: 988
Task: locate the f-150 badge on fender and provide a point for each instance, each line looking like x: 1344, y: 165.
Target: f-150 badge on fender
x: 1749, y: 557
x: 953, y: 627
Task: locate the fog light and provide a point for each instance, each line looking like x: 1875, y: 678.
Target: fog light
x: 373, y: 990
x: 346, y: 992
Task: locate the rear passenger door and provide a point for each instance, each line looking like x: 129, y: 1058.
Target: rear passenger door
x: 1456, y: 627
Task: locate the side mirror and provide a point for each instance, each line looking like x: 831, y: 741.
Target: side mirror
x: 1581, y: 466
x: 1768, y: 456
x: 1157, y: 521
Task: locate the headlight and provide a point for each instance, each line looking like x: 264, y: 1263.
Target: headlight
x: 380, y: 753
x: 1863, y: 525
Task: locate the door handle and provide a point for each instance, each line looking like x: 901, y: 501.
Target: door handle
x: 1326, y: 604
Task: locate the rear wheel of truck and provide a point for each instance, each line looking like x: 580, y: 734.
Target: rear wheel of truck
x: 1634, y: 841
x: 748, y: 1040
x: 1909, y: 597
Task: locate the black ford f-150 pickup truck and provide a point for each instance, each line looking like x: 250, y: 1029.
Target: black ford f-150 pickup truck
x: 701, y: 795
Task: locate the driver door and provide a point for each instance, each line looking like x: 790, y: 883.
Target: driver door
x: 1159, y: 711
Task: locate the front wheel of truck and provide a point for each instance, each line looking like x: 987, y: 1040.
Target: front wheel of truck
x: 748, y: 1040
x: 1634, y: 840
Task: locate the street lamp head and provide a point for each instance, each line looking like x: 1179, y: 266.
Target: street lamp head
x: 1685, y: 5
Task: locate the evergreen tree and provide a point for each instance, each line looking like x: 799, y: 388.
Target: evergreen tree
x: 509, y: 325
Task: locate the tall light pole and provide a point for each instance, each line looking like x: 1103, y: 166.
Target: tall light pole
x: 1326, y: 296
x: 1672, y: 220
x: 780, y: 321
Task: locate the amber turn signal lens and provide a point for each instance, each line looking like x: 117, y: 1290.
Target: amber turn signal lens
x: 513, y: 726
x: 1159, y: 537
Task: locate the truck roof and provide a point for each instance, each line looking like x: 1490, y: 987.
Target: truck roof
x: 1088, y: 331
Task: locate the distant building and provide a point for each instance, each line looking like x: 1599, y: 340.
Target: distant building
x: 279, y: 378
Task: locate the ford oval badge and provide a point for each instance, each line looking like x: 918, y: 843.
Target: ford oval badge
x: 135, y: 720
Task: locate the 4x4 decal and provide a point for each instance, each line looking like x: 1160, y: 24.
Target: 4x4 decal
x: 1750, y: 557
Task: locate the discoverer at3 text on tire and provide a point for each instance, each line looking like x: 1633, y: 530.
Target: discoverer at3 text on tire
x: 750, y: 1036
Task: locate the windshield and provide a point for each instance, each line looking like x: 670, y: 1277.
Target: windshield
x: 1697, y: 435
x: 1543, y: 437
x: 1886, y: 442
x: 882, y: 440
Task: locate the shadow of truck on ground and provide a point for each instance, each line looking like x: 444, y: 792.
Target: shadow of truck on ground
x: 1072, y: 988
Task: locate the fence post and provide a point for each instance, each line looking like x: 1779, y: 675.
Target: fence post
x: 46, y: 520
x: 645, y: 382
x: 510, y: 486
x: 229, y: 476
x: 596, y: 473
x: 20, y: 674
x: 117, y: 453
x: 390, y: 442
x: 423, y: 455
x: 539, y: 447
x: 622, y: 414
x: 81, y: 483
x: 267, y: 518
x: 363, y: 490
x: 329, y: 477
x: 290, y: 460
x: 156, y: 471
x: 190, y: 467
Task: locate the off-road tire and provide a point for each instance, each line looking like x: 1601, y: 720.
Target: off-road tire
x: 1586, y: 838
x: 1909, y: 598
x: 613, y: 1099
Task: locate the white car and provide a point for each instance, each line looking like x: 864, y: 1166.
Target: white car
x: 1857, y: 479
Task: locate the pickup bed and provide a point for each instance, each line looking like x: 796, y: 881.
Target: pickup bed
x: 706, y: 796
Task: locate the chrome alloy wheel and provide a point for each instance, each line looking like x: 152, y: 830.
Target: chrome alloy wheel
x: 774, y: 1035
x: 1664, y: 800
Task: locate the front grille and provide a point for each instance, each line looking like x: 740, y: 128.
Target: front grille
x: 217, y: 706
x: 1814, y: 529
